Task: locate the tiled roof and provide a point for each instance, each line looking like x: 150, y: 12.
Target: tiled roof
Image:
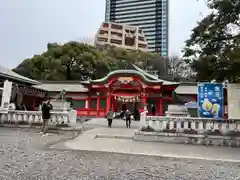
x: 8, y: 73
x: 57, y: 87
x: 186, y: 89
x: 128, y: 71
x: 155, y: 77
x: 138, y: 71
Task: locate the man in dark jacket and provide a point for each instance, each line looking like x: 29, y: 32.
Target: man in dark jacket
x: 153, y: 110
x: 46, y: 107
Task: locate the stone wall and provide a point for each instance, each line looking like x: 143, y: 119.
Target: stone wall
x: 189, y: 130
x: 35, y: 117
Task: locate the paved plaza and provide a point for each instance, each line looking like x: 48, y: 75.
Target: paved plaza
x: 25, y: 155
x: 118, y: 139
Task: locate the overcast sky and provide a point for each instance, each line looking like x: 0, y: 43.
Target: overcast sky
x: 26, y: 26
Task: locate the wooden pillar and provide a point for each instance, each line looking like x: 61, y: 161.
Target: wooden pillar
x: 108, y: 103
x: 98, y: 105
x: 89, y: 104
x: 144, y: 97
x: 161, y: 107
x: 34, y: 104
x: 144, y: 102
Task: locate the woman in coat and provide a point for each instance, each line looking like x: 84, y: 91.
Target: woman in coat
x: 110, y: 116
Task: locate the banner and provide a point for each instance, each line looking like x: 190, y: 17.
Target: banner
x: 233, y: 96
x: 127, y: 98
x: 210, y: 100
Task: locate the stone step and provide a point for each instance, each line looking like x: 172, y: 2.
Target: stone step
x: 107, y: 136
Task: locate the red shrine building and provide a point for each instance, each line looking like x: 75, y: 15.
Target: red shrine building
x: 125, y: 89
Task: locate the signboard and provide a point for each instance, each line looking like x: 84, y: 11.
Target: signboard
x: 210, y: 100
x: 233, y: 101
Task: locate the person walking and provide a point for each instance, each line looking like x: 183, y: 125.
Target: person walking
x: 153, y: 108
x: 110, y: 116
x: 46, y: 107
x: 128, y: 118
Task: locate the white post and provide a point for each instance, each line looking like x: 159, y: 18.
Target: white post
x: 72, y: 115
x: 143, y: 119
x: 6, y: 94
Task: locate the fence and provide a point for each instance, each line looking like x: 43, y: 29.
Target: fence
x: 191, y: 128
x: 35, y: 117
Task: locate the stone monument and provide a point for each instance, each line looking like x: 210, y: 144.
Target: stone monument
x: 60, y: 104
x: 6, y: 94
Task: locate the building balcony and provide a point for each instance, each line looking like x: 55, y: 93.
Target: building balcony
x: 103, y: 36
x: 116, y: 37
x: 117, y: 30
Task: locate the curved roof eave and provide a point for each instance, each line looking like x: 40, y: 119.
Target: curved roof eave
x: 155, y: 77
x: 126, y: 71
x: 145, y: 73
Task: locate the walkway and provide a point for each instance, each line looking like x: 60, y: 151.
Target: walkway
x: 119, y: 139
x: 117, y: 123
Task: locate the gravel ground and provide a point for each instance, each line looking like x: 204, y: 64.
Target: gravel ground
x: 24, y: 155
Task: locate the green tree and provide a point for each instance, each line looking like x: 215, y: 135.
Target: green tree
x: 78, y: 61
x: 70, y: 61
x: 213, y: 47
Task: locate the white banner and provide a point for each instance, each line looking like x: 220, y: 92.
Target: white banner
x: 233, y: 93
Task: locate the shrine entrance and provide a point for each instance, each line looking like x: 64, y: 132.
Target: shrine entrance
x: 132, y: 103
x: 122, y: 103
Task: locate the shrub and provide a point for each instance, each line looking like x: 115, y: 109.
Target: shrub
x: 147, y: 129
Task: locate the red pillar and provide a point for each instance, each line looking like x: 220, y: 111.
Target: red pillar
x: 108, y: 104
x: 161, y: 107
x: 144, y: 100
x: 98, y: 105
x: 89, y: 104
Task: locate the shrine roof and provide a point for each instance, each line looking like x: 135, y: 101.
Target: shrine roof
x: 126, y: 72
x: 57, y: 86
x: 9, y: 74
x: 165, y: 82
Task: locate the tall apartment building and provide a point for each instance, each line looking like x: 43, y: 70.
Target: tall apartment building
x: 121, y: 35
x: 150, y: 15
